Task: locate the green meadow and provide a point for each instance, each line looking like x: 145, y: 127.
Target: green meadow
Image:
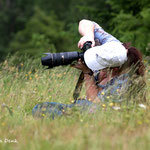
x: 24, y: 85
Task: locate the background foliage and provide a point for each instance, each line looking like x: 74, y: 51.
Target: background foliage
x: 34, y: 27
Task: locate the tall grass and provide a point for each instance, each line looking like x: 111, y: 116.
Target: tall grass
x: 23, y: 86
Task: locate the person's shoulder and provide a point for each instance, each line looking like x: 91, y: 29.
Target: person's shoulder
x: 96, y: 25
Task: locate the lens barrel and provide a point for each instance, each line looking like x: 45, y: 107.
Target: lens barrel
x: 57, y: 59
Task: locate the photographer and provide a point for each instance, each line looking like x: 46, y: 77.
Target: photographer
x: 107, y: 67
x: 114, y: 61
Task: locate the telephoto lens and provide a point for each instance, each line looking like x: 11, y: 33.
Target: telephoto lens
x: 56, y: 59
x: 65, y: 58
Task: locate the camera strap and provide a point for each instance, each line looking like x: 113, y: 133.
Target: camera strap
x: 78, y: 87
x: 79, y: 83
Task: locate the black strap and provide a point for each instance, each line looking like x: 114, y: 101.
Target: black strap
x: 79, y: 84
x: 78, y: 87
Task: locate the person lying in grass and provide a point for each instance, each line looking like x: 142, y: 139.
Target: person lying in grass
x: 109, y: 57
x: 109, y: 67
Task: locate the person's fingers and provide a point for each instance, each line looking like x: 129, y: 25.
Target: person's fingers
x: 79, y: 44
x: 84, y: 39
x: 79, y: 59
x: 93, y: 44
x: 80, y: 62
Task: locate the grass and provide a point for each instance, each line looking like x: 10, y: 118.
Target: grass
x: 25, y: 85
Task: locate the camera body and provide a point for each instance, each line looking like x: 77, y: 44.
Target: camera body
x: 64, y: 58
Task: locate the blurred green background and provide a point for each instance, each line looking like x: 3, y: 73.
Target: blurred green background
x: 32, y: 27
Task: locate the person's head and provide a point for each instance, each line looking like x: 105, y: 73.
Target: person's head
x: 134, y: 60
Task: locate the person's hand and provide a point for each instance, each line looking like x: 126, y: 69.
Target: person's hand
x: 81, y: 66
x: 85, y: 39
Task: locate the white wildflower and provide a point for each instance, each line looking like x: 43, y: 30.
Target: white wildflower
x: 142, y: 106
x: 116, y: 108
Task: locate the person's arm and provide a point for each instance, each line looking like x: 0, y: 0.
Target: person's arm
x: 86, y: 29
x: 90, y: 86
x: 92, y: 89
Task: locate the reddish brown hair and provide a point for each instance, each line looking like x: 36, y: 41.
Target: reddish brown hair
x: 135, y: 59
